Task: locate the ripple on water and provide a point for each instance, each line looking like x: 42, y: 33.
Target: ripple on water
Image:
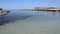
x: 32, y: 25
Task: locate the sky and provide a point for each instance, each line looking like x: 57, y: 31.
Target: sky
x: 21, y: 4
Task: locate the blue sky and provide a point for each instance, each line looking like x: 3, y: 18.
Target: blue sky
x: 20, y: 4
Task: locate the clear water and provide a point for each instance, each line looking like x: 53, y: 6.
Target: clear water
x: 30, y: 22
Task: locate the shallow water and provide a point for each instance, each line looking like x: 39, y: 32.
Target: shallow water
x: 30, y: 22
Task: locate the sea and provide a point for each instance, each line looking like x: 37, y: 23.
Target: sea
x: 30, y: 22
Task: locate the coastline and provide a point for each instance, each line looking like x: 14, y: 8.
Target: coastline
x: 44, y: 9
x: 3, y: 12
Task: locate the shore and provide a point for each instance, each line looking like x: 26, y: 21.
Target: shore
x: 3, y: 12
x: 44, y: 9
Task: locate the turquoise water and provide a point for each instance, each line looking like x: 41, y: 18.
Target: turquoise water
x: 30, y: 22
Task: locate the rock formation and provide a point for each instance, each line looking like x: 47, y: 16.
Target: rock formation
x: 3, y: 12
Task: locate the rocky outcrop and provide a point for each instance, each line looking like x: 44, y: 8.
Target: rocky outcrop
x: 3, y: 12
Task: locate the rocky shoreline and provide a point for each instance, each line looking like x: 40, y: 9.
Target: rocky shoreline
x: 3, y: 12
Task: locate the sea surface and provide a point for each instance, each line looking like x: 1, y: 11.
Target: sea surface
x: 30, y: 22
